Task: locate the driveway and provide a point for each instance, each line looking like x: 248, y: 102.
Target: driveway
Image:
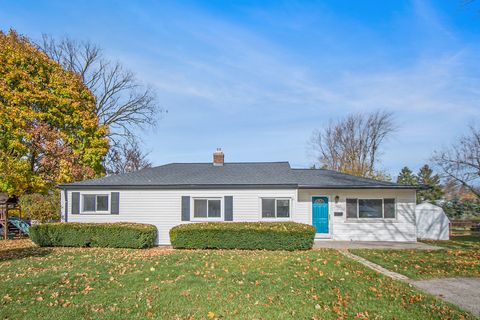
x: 464, y: 292
x: 372, y: 245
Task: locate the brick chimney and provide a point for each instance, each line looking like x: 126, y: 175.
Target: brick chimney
x: 218, y: 157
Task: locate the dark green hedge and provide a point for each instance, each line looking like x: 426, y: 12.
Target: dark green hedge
x: 243, y: 235
x: 114, y: 235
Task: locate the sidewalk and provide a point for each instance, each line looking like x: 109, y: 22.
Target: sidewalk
x: 332, y: 244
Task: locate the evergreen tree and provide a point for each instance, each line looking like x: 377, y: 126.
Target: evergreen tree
x: 406, y: 176
x: 426, y: 178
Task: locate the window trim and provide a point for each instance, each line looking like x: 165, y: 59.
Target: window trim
x: 276, y: 218
x: 371, y: 219
x: 82, y: 203
x: 207, y: 218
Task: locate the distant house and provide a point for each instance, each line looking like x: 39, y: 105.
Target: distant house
x: 338, y: 205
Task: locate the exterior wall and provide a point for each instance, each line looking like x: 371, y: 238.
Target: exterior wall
x: 163, y: 207
x: 400, y: 229
x: 62, y: 206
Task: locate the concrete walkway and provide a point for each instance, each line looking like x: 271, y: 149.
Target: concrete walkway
x: 463, y: 292
x: 376, y: 267
x: 318, y: 244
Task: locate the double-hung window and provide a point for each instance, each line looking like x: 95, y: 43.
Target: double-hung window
x: 371, y: 208
x: 95, y: 203
x: 275, y: 208
x: 207, y: 208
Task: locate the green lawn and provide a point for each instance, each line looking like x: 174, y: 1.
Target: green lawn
x: 459, y: 242
x: 461, y: 257
x: 92, y: 283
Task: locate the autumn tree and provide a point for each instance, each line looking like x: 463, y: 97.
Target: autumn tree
x: 406, y: 176
x: 122, y: 102
x: 461, y: 161
x: 353, y: 144
x: 433, y: 189
x: 49, y: 131
x: 41, y: 207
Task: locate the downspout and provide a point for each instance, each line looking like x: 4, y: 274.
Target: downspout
x: 65, y: 195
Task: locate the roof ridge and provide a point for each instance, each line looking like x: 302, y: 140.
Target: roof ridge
x: 235, y: 162
x: 230, y: 162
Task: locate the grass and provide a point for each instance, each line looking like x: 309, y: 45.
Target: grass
x: 459, y: 242
x: 460, y: 258
x: 100, y: 283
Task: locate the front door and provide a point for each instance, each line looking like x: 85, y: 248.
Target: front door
x: 320, y: 214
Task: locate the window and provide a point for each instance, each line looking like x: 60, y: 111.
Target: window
x: 275, y: 208
x: 200, y: 208
x: 214, y: 209
x: 283, y: 208
x: 89, y: 203
x: 268, y: 208
x: 389, y: 208
x: 371, y: 208
x: 351, y: 208
x: 95, y: 203
x: 207, y: 208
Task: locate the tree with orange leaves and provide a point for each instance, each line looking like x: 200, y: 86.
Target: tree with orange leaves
x: 49, y: 132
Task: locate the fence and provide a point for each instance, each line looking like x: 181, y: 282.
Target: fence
x: 464, y: 227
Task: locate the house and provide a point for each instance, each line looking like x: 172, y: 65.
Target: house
x: 338, y: 205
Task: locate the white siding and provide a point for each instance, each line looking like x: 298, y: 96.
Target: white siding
x: 401, y: 229
x: 62, y: 205
x: 163, y: 207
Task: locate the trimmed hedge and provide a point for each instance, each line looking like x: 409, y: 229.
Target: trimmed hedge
x: 113, y: 235
x: 243, y: 235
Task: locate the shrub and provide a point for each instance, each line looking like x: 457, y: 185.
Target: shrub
x: 41, y: 207
x: 243, y: 235
x: 113, y: 235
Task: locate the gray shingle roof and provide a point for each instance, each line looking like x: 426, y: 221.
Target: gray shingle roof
x: 246, y: 174
x: 323, y: 178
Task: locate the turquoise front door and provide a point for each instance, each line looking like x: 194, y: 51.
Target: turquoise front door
x: 320, y: 214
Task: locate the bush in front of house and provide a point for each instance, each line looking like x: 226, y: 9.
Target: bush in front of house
x: 243, y: 235
x: 112, y: 235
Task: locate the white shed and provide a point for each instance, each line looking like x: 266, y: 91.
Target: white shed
x: 432, y: 222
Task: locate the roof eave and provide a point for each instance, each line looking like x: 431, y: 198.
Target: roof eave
x: 410, y: 187
x: 234, y: 186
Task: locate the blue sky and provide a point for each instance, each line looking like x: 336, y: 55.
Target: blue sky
x: 256, y: 78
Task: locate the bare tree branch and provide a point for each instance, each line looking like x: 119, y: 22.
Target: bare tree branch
x: 461, y: 162
x: 125, y: 158
x: 122, y: 103
x: 352, y: 145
